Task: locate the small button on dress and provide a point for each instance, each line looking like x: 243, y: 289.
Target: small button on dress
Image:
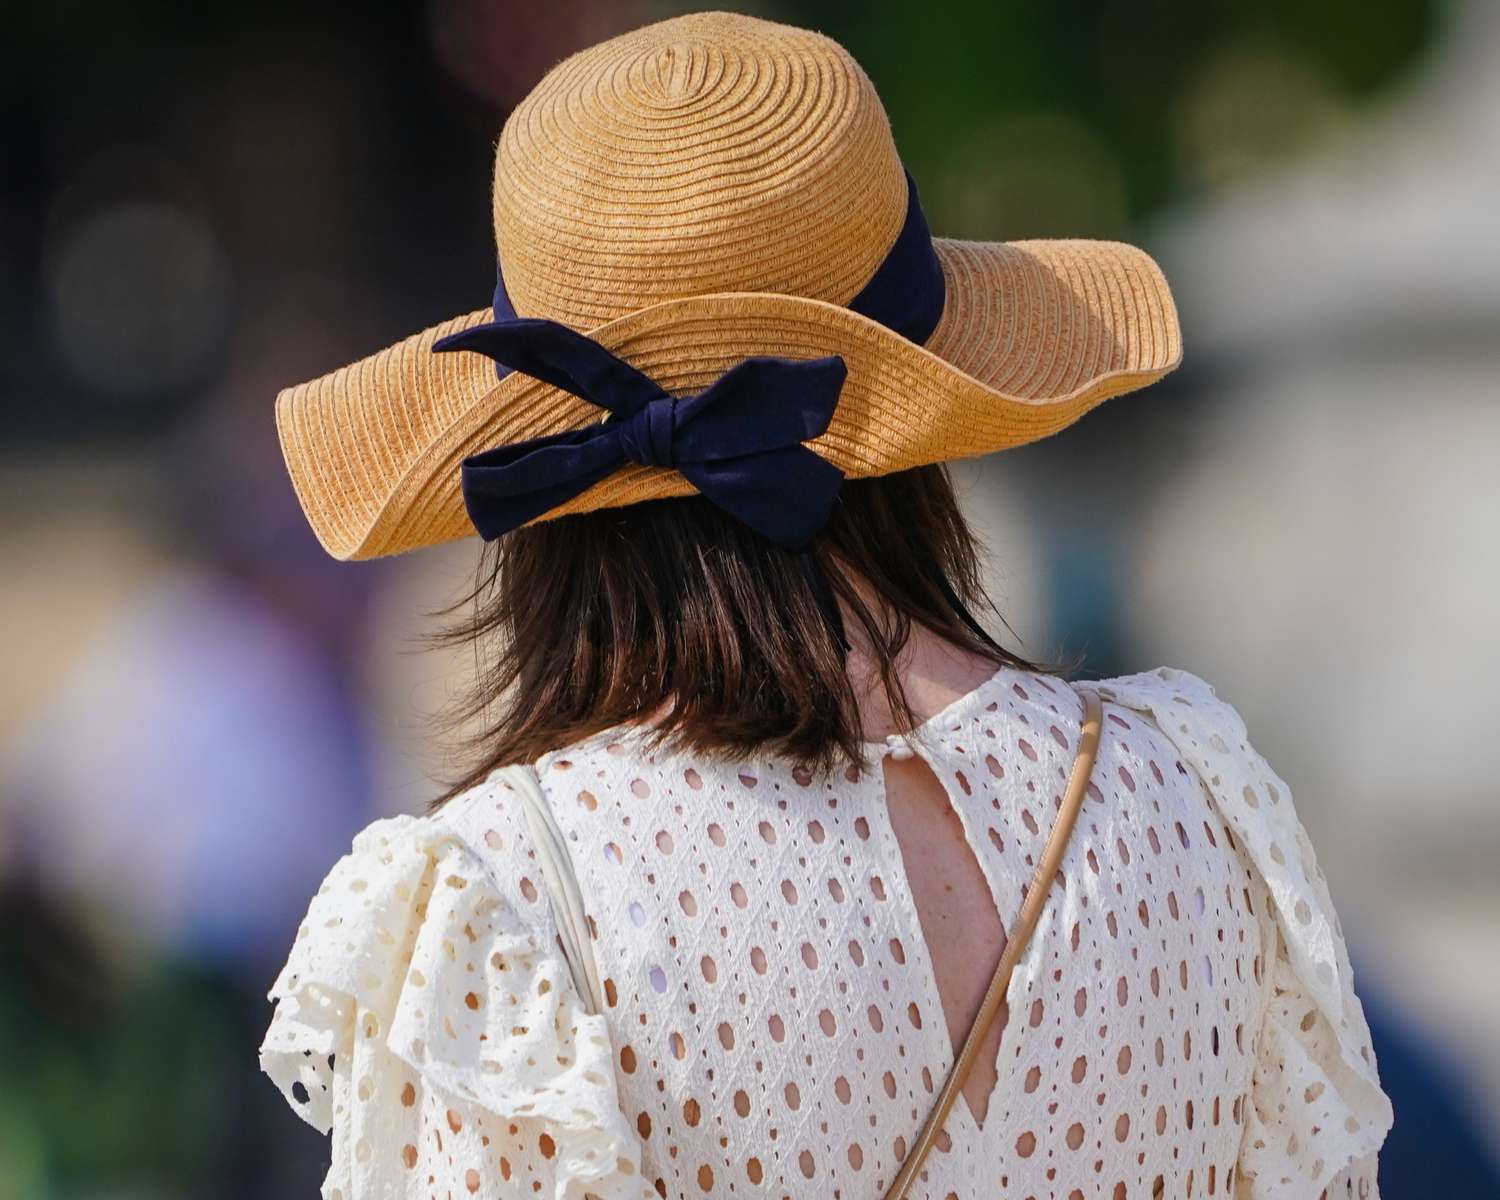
x: 897, y: 747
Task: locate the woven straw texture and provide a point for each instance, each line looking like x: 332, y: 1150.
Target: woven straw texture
x: 696, y: 192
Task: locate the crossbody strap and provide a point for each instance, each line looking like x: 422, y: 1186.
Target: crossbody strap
x: 563, y: 892
x: 1031, y: 909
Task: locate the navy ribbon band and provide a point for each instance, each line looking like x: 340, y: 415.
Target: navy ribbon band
x: 906, y: 294
x: 738, y: 442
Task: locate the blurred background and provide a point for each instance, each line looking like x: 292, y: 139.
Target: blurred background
x: 200, y: 204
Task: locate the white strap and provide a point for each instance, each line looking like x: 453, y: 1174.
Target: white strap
x: 556, y: 866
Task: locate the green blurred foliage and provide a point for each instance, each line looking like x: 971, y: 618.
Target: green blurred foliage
x: 1095, y: 98
x: 1019, y: 118
x: 112, y: 1074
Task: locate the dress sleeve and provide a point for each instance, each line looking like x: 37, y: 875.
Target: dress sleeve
x: 1315, y: 1115
x: 435, y: 1034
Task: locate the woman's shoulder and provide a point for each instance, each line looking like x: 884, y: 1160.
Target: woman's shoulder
x: 458, y: 875
x: 638, y: 759
x: 481, y: 830
x: 1319, y: 1103
x: 1163, y: 685
x: 1256, y: 806
x: 1209, y: 735
x: 424, y: 995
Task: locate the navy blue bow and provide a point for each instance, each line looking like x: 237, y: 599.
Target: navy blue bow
x: 739, y: 442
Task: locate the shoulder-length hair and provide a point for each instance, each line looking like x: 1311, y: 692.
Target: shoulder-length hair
x: 593, y: 620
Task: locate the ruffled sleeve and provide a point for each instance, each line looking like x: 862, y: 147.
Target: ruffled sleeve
x: 1316, y: 1115
x: 436, y: 1035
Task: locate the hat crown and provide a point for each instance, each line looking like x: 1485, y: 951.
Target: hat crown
x: 708, y: 153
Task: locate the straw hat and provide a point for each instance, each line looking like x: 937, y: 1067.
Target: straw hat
x: 702, y: 191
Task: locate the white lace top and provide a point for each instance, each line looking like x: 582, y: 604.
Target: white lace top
x: 1183, y: 1022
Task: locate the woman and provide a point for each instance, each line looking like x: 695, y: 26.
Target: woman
x: 801, y: 790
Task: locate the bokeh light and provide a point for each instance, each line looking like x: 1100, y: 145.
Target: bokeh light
x: 140, y: 298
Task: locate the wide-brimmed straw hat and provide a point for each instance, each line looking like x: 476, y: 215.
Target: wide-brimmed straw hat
x: 669, y: 204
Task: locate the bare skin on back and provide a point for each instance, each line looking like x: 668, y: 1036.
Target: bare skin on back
x: 965, y: 935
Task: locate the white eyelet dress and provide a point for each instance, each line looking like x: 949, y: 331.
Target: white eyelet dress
x: 1182, y: 1024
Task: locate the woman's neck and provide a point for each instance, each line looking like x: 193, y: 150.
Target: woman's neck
x: 933, y: 671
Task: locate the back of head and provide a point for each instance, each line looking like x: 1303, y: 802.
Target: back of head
x: 672, y: 613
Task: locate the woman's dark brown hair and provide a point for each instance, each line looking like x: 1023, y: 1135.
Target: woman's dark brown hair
x: 588, y: 621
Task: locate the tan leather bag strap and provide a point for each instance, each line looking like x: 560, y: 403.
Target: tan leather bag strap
x: 1020, y: 934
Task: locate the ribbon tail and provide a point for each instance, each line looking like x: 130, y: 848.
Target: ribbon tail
x: 785, y: 494
x: 508, y: 486
x: 563, y: 357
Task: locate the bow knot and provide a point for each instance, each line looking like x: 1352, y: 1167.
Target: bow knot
x: 739, y: 441
x: 646, y: 435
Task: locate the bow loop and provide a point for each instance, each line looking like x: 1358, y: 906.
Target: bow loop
x: 744, y: 411
x: 739, y: 441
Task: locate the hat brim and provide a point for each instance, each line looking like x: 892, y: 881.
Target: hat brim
x: 1033, y: 335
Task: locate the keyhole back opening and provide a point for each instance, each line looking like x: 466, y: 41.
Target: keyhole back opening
x: 962, y: 929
